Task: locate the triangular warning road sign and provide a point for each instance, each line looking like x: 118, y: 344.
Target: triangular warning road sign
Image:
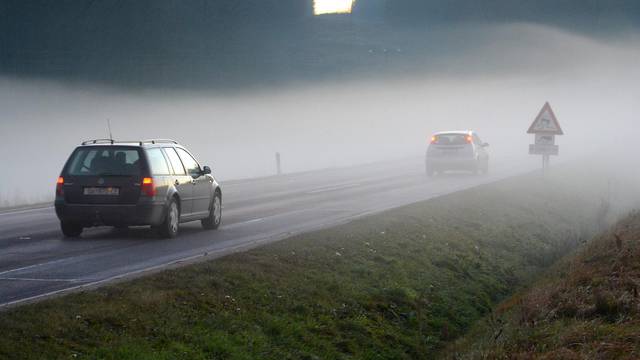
x: 545, y: 122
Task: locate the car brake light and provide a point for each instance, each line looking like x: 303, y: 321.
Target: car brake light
x: 434, y: 139
x: 147, y: 187
x: 59, y: 186
x: 469, y: 139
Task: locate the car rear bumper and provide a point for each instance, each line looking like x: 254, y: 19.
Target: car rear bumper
x: 111, y: 215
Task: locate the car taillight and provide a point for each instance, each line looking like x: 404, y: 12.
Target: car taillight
x: 434, y: 139
x: 147, y: 187
x: 469, y: 139
x: 60, y: 186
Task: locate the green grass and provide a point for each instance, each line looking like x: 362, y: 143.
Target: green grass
x: 398, y: 285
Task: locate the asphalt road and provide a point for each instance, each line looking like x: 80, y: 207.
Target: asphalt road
x: 36, y: 261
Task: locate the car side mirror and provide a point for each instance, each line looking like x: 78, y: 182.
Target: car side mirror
x: 206, y: 170
x: 485, y: 145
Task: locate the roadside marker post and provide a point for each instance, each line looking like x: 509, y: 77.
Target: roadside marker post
x: 278, y: 166
x: 545, y: 127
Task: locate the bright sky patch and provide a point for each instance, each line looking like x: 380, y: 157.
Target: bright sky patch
x: 321, y: 7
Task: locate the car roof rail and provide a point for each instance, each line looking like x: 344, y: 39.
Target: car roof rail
x: 98, y: 141
x: 111, y: 141
x: 159, y: 141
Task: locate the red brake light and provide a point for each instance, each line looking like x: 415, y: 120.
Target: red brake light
x: 469, y: 139
x: 59, y: 186
x: 147, y: 187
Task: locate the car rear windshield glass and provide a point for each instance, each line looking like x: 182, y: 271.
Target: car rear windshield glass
x: 112, y: 161
x: 451, y: 139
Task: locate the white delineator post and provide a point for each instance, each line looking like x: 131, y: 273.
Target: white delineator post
x: 278, y: 167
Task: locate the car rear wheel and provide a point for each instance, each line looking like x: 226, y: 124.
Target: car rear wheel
x: 477, y: 168
x: 169, y: 228
x: 215, y: 213
x: 429, y: 170
x: 70, y: 229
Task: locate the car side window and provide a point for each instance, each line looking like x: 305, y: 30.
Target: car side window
x: 178, y: 168
x: 190, y: 163
x: 157, y: 162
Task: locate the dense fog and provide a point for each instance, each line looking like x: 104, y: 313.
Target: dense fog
x: 489, y: 78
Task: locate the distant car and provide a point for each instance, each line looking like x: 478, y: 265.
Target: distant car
x: 456, y: 150
x: 151, y: 182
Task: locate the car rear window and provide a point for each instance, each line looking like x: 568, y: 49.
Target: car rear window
x: 111, y: 161
x: 450, y: 139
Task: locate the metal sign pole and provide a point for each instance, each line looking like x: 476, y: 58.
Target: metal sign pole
x: 545, y: 163
x: 548, y: 160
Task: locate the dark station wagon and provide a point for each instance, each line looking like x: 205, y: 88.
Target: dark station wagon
x: 132, y: 183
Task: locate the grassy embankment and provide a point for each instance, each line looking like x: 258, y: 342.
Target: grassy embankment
x: 586, y: 307
x: 395, y: 285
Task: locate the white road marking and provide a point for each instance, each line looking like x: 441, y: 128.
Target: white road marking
x: 333, y: 188
x: 25, y: 211
x: 128, y: 274
x: 298, y: 211
x: 32, y: 266
x: 250, y: 221
x: 44, y: 280
x: 230, y: 226
x: 235, y: 225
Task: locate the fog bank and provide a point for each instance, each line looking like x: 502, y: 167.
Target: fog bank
x: 496, y: 89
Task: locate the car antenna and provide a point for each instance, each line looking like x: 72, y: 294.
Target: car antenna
x: 109, y: 126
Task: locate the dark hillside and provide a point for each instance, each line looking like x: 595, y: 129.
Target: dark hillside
x: 226, y: 43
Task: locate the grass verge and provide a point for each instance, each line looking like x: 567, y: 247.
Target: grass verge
x: 587, y: 307
x: 397, y: 285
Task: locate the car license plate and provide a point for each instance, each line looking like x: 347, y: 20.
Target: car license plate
x: 101, y: 191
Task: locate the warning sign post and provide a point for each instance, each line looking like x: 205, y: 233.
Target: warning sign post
x: 545, y: 127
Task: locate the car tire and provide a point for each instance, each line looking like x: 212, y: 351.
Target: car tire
x: 485, y: 168
x: 214, y: 219
x: 429, y: 170
x: 70, y: 229
x: 477, y: 168
x: 171, y: 224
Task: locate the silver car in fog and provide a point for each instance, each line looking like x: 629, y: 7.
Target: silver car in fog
x: 456, y: 151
